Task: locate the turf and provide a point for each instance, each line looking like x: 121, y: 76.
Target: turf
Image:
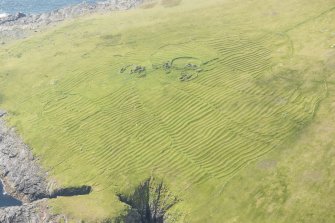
x: 192, y: 92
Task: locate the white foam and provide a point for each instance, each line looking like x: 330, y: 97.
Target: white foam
x: 3, y: 188
x: 3, y: 15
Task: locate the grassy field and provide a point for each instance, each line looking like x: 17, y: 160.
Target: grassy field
x: 229, y: 102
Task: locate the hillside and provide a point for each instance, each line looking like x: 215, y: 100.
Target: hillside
x: 229, y: 103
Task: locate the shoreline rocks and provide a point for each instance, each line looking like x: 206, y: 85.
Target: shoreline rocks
x: 11, y: 18
x: 22, y: 176
x: 35, y: 212
x: 20, y: 25
x: 24, y: 179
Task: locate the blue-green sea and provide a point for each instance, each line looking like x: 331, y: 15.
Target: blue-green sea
x: 35, y: 6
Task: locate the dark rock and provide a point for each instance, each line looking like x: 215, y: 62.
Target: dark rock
x: 2, y: 113
x: 148, y: 203
x: 23, y: 174
x: 12, y: 18
x: 24, y: 179
x: 35, y: 212
x: 20, y: 15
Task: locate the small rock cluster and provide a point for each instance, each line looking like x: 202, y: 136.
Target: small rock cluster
x: 138, y: 70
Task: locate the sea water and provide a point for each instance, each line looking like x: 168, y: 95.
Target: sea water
x: 6, y: 200
x: 35, y: 6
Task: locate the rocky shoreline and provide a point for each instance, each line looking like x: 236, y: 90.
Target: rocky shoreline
x: 21, y: 25
x: 23, y: 179
x: 35, y: 212
x: 19, y: 170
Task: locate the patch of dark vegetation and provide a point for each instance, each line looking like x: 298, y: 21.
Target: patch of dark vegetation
x: 170, y: 3
x: 59, y: 54
x: 149, y: 4
x: 110, y: 40
x: 330, y: 62
x: 1, y: 100
x: 149, y: 202
x: 71, y: 191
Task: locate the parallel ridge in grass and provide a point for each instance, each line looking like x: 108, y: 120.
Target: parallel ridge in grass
x: 119, y: 124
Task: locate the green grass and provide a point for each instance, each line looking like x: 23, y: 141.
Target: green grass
x: 259, y: 82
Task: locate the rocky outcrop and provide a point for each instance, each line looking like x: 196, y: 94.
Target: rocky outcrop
x: 35, y: 20
x: 25, y: 213
x: 149, y: 203
x: 19, y: 170
x: 11, y: 18
x: 25, y: 180
x: 36, y: 212
x: 19, y: 25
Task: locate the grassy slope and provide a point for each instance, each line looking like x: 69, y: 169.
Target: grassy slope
x: 90, y: 124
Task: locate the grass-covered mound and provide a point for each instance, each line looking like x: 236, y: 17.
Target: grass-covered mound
x: 189, y: 92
